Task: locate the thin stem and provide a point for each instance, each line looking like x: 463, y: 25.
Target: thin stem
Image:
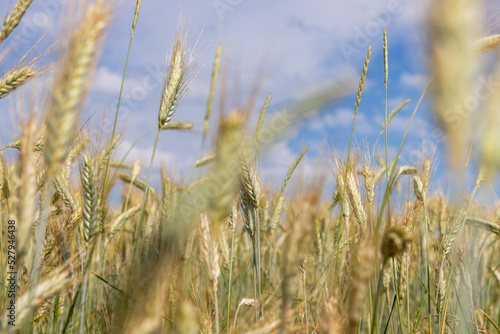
x: 230, y: 282
x: 41, y: 229
x: 217, y: 330
x: 304, y: 295
x: 396, y: 288
x: 393, y: 166
x: 257, y: 220
x: 84, y: 297
x: 146, y: 191
x: 375, y: 303
x: 118, y: 108
x: 387, y: 156
x: 255, y: 280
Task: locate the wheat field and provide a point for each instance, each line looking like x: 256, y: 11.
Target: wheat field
x: 223, y: 252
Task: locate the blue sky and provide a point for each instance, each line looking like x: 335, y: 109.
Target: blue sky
x: 300, y: 44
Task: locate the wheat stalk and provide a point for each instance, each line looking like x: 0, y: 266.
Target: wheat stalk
x: 454, y: 30
x: 27, y: 190
x: 210, y: 253
x: 72, y: 82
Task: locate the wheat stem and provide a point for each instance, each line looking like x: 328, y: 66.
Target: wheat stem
x: 136, y: 14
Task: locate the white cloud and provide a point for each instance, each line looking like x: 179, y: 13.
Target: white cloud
x: 342, y: 118
x: 106, y: 81
x: 417, y: 81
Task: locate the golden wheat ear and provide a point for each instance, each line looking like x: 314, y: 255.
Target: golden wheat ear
x: 13, y: 19
x: 181, y: 72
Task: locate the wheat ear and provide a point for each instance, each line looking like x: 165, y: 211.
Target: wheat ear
x: 15, y: 79
x: 72, y: 82
x: 13, y: 19
x: 91, y: 200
